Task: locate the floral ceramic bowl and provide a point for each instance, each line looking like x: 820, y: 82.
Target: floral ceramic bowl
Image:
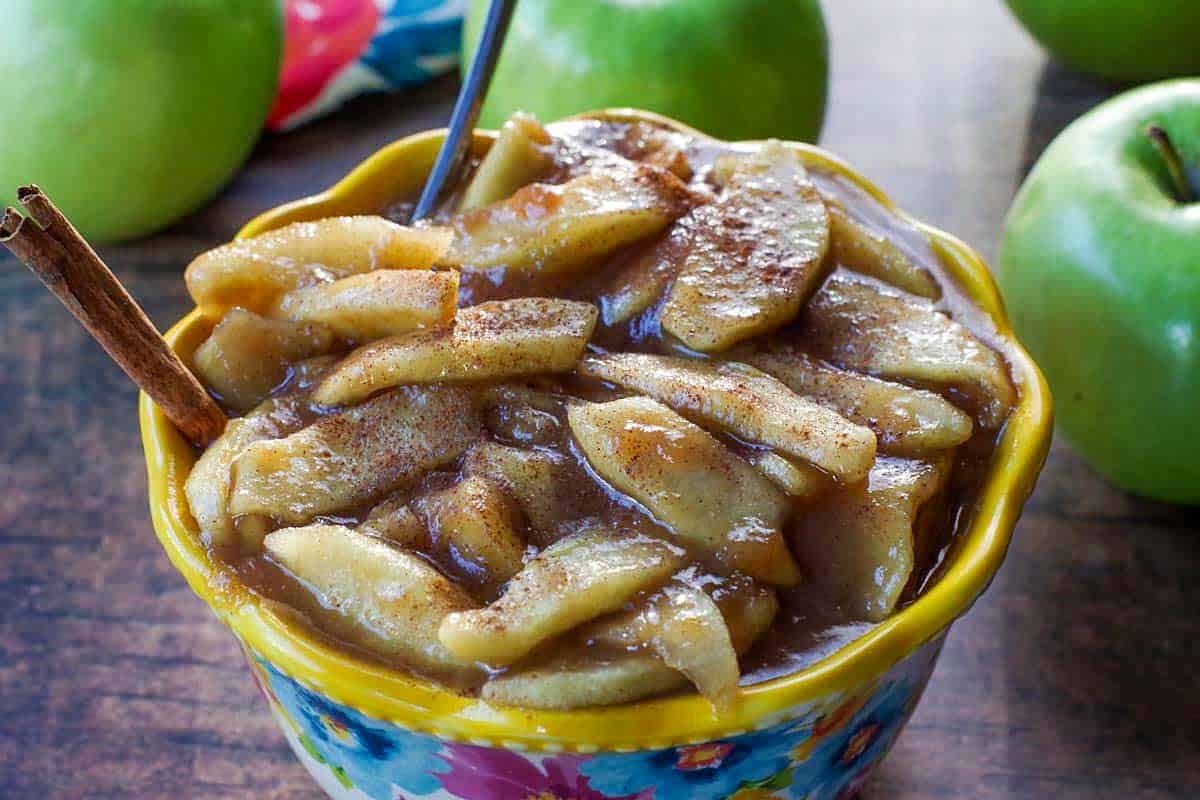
x: 366, y: 731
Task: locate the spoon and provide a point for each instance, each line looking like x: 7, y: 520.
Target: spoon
x: 453, y: 155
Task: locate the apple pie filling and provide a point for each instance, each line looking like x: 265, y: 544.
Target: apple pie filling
x: 637, y: 412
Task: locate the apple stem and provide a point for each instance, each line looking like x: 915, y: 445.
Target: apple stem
x: 1182, y: 186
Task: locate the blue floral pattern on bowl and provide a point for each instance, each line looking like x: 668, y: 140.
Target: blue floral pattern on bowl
x: 822, y: 751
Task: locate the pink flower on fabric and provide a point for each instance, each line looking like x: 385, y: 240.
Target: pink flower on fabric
x: 323, y: 37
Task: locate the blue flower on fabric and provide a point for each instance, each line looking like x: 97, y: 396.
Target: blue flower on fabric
x: 416, y: 40
x: 708, y: 771
x: 376, y: 758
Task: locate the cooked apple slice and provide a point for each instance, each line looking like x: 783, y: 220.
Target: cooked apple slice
x: 855, y: 246
x: 746, y: 402
x: 498, y: 339
x: 580, y: 681
x: 555, y: 228
x: 375, y: 304
x: 662, y: 148
x: 756, y: 254
x: 375, y: 595
x: 587, y: 678
x: 858, y: 542
x: 864, y: 327
x: 475, y: 532
x: 394, y: 520
x: 798, y: 480
x: 252, y: 273
x: 207, y: 485
x: 639, y: 284
x: 345, y: 459
x: 711, y: 498
x: 907, y: 421
x: 549, y: 487
x: 747, y: 607
x: 684, y: 628
x: 520, y: 155
x: 247, y: 355
x: 581, y: 577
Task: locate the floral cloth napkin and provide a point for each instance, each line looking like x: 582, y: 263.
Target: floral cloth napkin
x: 335, y: 49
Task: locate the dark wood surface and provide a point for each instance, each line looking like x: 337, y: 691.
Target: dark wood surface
x: 1076, y: 676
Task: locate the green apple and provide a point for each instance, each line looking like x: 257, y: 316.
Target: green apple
x: 130, y: 114
x: 1124, y: 40
x: 1100, y: 267
x: 735, y: 69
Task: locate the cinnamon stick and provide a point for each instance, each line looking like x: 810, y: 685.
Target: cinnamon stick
x: 56, y: 252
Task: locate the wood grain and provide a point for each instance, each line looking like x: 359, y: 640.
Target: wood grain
x: 1075, y: 676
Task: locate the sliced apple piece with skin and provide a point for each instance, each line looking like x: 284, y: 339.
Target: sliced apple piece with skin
x: 247, y: 355
x: 475, y: 531
x: 520, y: 155
x: 493, y: 340
x: 855, y: 246
x: 756, y: 254
x: 376, y: 596
x: 347, y: 458
x: 376, y: 304
x: 858, y: 542
x: 907, y: 421
x: 253, y: 273
x: 577, y: 679
x: 581, y: 577
x: 746, y: 402
x: 859, y: 325
x: 711, y: 498
x: 553, y: 229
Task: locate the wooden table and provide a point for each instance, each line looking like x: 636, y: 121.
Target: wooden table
x: 1076, y: 676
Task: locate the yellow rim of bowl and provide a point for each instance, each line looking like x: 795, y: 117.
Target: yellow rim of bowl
x: 392, y: 695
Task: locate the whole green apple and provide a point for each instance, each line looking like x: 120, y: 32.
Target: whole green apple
x: 1100, y: 267
x: 735, y: 69
x: 1124, y: 40
x: 130, y: 114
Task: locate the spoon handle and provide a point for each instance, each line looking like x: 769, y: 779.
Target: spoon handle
x: 453, y: 154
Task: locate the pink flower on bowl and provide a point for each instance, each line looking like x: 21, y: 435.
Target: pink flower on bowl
x: 485, y: 772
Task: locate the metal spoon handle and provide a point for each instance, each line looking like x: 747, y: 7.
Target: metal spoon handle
x: 453, y: 154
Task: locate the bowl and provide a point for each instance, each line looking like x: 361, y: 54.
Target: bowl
x: 367, y: 731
